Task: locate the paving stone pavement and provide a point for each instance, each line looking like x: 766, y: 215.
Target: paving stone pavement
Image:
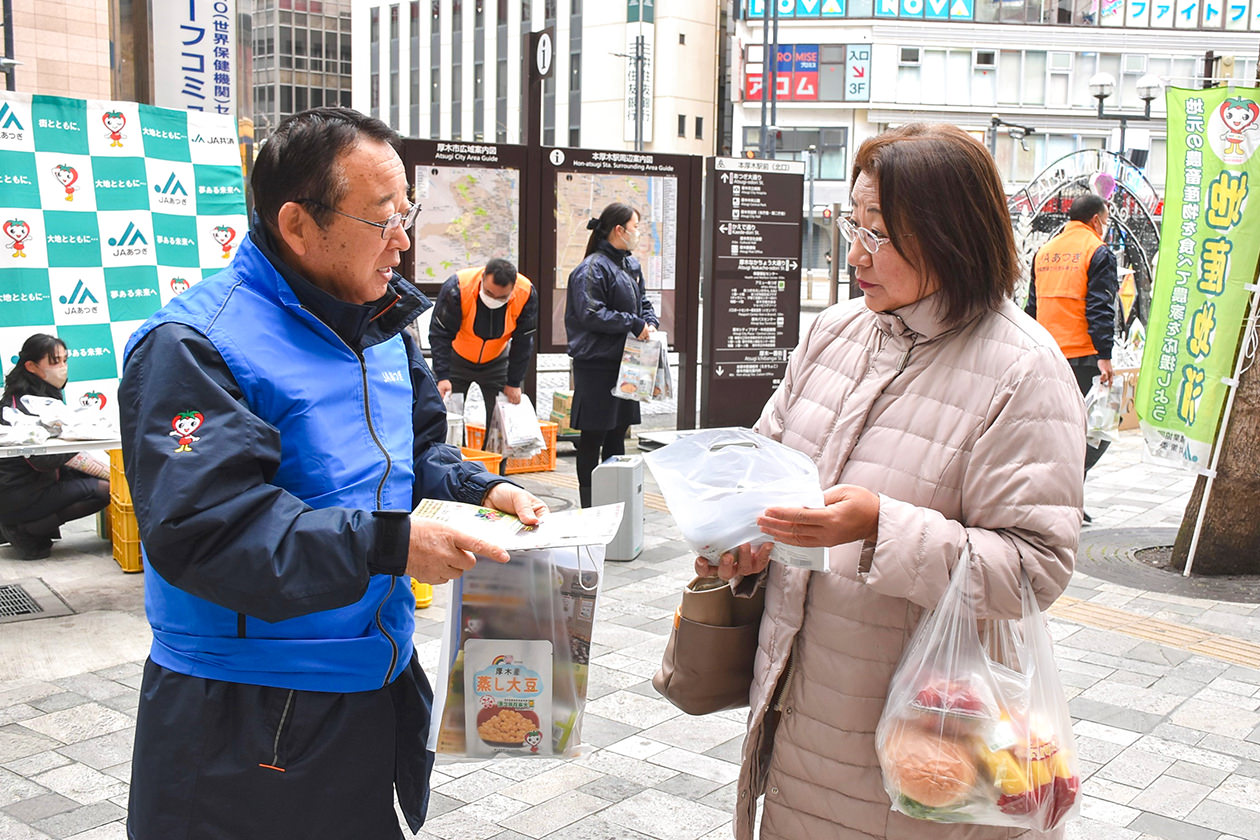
x: 1169, y: 738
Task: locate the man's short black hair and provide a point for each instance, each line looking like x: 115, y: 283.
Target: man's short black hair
x: 501, y: 272
x: 299, y: 160
x: 1086, y: 207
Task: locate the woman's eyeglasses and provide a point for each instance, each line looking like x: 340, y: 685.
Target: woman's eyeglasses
x: 397, y: 220
x: 856, y: 233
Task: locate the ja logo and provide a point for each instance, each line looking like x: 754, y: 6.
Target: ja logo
x: 131, y: 236
x: 9, y: 117
x: 81, y: 295
x: 171, y: 188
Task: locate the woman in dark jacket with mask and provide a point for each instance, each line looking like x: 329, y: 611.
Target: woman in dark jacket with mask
x: 607, y: 300
x: 39, y: 493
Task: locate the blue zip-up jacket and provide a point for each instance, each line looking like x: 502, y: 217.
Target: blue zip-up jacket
x: 607, y: 299
x: 273, y: 460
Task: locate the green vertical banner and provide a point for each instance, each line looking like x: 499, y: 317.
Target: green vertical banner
x: 1207, y: 256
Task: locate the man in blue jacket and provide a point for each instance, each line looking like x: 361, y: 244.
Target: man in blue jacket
x: 278, y: 426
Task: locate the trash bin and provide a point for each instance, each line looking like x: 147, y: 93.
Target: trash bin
x: 620, y: 479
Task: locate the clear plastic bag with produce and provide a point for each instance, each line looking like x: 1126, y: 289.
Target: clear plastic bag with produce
x: 976, y: 727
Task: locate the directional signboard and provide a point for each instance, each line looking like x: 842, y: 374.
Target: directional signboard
x: 752, y: 284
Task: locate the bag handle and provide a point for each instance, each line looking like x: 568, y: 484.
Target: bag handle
x: 715, y: 447
x: 594, y: 569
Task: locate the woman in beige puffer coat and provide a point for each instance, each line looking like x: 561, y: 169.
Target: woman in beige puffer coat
x: 940, y: 416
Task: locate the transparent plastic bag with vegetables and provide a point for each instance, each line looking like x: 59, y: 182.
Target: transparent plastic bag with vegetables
x: 976, y: 727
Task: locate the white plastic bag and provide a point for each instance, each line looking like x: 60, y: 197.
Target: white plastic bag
x: 1103, y: 406
x: 717, y: 482
x: 454, y: 419
x: 976, y: 727
x: 528, y: 619
x: 514, y: 430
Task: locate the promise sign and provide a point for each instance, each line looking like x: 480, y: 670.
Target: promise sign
x: 1207, y: 256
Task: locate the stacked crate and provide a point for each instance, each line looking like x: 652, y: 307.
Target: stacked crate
x: 124, y: 530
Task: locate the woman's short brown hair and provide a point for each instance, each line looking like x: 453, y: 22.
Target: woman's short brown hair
x: 938, y: 186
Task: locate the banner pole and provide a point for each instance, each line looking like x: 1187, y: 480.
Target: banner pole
x: 1248, y: 337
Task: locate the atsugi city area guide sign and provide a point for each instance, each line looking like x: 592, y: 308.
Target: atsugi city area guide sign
x: 752, y: 289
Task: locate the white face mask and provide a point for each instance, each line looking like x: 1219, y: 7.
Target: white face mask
x: 631, y: 239
x: 492, y: 302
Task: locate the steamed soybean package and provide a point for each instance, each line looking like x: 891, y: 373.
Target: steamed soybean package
x: 515, y: 655
x: 717, y: 482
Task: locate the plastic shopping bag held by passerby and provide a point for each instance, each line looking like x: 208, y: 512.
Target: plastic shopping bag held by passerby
x: 717, y: 482
x: 976, y: 727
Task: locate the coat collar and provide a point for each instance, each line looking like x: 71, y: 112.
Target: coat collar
x: 920, y: 319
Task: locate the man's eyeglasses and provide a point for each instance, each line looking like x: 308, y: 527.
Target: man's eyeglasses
x: 397, y: 220
x: 870, y: 239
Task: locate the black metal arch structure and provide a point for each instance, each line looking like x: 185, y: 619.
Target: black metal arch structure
x: 1040, y: 210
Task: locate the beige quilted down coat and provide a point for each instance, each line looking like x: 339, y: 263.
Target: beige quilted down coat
x: 975, y: 434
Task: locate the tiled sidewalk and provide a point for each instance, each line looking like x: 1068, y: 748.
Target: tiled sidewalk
x: 1169, y: 736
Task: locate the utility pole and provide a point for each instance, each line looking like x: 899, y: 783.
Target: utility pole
x: 766, y: 63
x: 774, y: 77
x: 7, y: 63
x: 810, y: 155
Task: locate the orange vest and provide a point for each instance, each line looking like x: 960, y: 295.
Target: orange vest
x: 1062, y: 273
x: 468, y: 344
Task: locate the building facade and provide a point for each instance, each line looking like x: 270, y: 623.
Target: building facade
x: 848, y: 69
x: 452, y: 69
x: 299, y: 56
x: 62, y: 46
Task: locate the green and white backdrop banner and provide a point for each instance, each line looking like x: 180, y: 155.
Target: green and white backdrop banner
x: 107, y: 211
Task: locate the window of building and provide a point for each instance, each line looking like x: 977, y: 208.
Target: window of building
x: 1059, y: 80
x: 682, y: 125
x: 699, y: 128
x: 682, y: 39
x: 831, y: 77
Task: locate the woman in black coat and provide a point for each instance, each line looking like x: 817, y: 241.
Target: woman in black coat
x: 40, y: 493
x: 607, y: 300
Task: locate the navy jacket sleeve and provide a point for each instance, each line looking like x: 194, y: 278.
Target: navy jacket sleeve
x: 444, y: 326
x: 523, y: 340
x: 1031, y: 306
x: 645, y: 305
x: 1100, y: 301
x: 211, y: 522
x: 441, y: 471
x: 590, y: 297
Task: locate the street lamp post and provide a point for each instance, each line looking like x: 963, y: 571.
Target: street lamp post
x: 810, y: 155
x: 1102, y: 85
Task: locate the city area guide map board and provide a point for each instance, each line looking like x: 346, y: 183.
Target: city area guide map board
x: 470, y: 199
x: 107, y: 211
x: 586, y: 182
